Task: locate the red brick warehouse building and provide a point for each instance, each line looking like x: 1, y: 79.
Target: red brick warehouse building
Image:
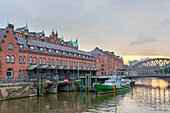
x: 25, y: 53
x: 109, y: 62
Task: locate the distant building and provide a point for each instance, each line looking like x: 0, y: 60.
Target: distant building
x: 131, y: 63
x: 107, y: 61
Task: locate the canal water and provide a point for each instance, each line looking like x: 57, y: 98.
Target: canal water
x: 149, y: 95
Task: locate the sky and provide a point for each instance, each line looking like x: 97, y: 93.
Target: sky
x: 133, y: 29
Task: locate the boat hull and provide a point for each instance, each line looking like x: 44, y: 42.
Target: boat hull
x: 104, y: 89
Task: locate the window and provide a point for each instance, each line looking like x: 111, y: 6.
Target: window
x: 35, y: 60
x: 20, y: 59
x: 20, y: 46
x: 66, y: 63
x: 75, y: 54
x: 42, y: 49
x: 63, y: 62
x: 48, y: 61
x: 30, y: 60
x: 74, y: 63
x: 57, y: 51
x: 59, y: 62
x: 7, y: 59
x: 64, y: 52
x: 49, y: 50
x: 26, y: 37
x: 12, y: 59
x: 40, y: 60
x: 31, y: 47
x: 10, y: 46
x: 71, y: 63
x: 44, y: 61
x: 9, y: 73
x: 70, y: 53
x: 102, y: 65
x: 56, y: 61
x: 24, y: 60
x: 52, y: 62
x: 23, y: 73
x: 102, y: 60
x: 19, y: 73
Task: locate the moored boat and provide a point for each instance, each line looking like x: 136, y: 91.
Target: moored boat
x: 112, y: 85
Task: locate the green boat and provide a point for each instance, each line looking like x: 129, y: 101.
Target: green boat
x: 115, y: 84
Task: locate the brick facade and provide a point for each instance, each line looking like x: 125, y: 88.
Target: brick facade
x: 21, y: 51
x: 108, y: 62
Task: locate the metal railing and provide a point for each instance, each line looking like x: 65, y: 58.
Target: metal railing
x: 7, y: 80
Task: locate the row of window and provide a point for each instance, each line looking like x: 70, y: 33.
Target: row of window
x: 58, y: 62
x: 8, y: 59
x: 50, y: 61
x: 62, y: 52
x: 20, y: 74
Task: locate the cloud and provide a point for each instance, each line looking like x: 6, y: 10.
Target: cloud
x: 143, y: 39
x: 165, y: 22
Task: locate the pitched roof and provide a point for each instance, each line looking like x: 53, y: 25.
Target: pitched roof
x: 20, y: 29
x: 57, y: 47
x: 2, y: 33
x: 98, y: 51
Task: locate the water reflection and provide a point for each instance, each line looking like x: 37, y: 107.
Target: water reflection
x: 149, y: 95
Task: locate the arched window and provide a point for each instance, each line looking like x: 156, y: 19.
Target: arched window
x: 9, y: 73
x: 59, y: 62
x: 23, y: 73
x: 10, y: 46
x: 12, y: 59
x: 19, y: 73
x: 48, y: 61
x: 30, y: 60
x: 35, y: 60
x: 74, y: 64
x: 56, y: 62
x: 20, y: 59
x: 24, y: 60
x: 7, y: 59
x: 52, y: 62
x: 71, y: 63
x: 63, y: 62
x: 68, y: 63
x: 40, y: 60
x: 44, y: 61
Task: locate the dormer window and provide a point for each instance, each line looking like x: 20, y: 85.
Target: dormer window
x: 79, y: 55
x: 64, y: 52
x: 75, y: 54
x: 42, y: 49
x: 31, y: 47
x: 49, y: 50
x: 20, y: 46
x: 83, y: 56
x: 57, y: 51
